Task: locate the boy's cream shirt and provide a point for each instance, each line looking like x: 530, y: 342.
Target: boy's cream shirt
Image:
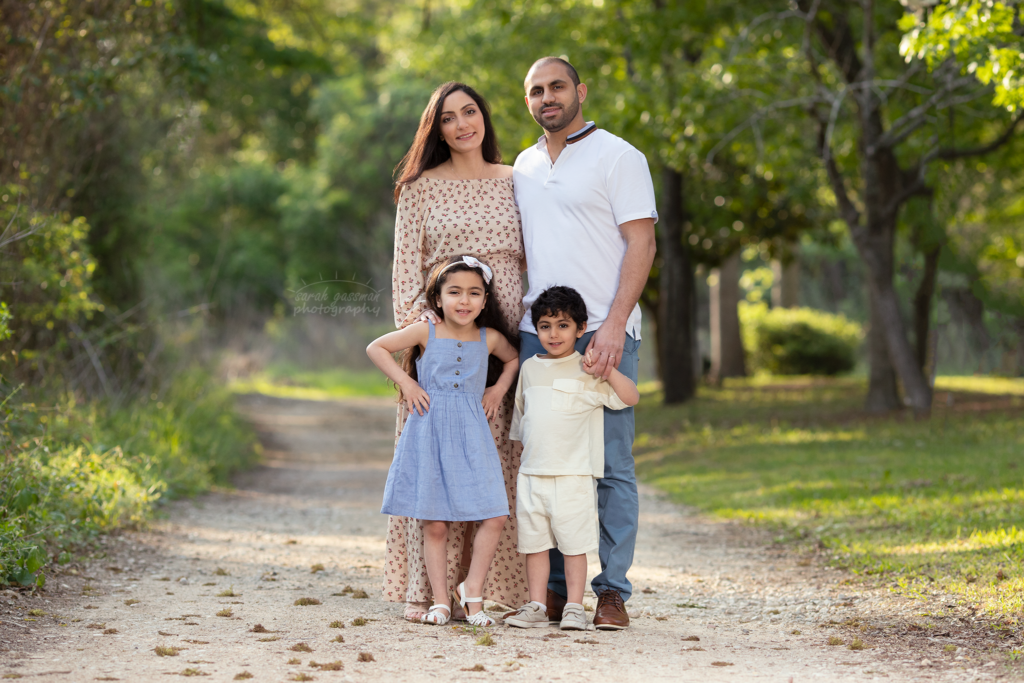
x: 559, y: 417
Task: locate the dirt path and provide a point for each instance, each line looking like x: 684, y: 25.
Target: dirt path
x: 713, y: 601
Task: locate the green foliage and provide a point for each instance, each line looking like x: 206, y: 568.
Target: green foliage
x: 55, y: 270
x: 799, y: 341
x: 922, y: 505
x: 5, y: 322
x: 72, y: 473
x: 981, y: 35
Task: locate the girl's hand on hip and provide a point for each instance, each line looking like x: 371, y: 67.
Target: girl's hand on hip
x: 492, y: 401
x: 415, y: 398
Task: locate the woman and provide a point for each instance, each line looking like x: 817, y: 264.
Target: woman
x: 454, y: 196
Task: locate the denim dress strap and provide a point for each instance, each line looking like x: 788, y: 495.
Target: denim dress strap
x: 483, y: 334
x: 430, y: 337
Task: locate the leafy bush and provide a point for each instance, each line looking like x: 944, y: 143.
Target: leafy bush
x: 72, y: 473
x: 799, y: 341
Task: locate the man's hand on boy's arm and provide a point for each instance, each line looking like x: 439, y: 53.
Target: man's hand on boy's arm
x: 620, y: 384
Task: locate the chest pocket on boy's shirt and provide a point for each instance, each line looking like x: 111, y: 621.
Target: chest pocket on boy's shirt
x: 567, y: 396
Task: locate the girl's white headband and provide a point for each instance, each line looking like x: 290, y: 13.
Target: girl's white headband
x: 470, y: 261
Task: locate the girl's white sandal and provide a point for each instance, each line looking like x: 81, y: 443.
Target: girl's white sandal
x: 435, y: 617
x: 478, y: 619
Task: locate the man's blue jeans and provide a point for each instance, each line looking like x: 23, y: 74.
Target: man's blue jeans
x: 618, y: 505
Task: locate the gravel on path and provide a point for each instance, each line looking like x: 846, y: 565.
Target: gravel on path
x: 216, y: 588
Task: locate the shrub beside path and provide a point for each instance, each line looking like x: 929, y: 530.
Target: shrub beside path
x: 279, y: 579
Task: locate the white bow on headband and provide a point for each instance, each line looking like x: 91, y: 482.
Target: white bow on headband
x: 474, y: 263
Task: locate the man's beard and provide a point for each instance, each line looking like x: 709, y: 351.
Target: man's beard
x: 557, y: 124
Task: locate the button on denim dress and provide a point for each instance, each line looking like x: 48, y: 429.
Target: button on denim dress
x: 446, y: 466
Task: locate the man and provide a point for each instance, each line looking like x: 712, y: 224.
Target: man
x: 587, y: 204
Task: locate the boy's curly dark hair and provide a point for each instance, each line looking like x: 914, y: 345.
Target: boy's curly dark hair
x: 490, y: 316
x: 559, y: 299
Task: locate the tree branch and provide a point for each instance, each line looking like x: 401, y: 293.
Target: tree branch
x: 847, y: 210
x: 950, y: 153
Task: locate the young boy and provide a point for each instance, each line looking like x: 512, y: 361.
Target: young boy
x: 559, y: 417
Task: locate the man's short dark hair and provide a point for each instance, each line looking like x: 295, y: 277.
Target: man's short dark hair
x: 559, y: 299
x: 543, y: 61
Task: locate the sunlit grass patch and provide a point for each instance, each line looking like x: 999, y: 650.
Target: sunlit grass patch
x: 981, y: 385
x: 937, y: 502
x: 287, y: 381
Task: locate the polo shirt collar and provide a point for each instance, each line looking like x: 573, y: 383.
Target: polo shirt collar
x: 583, y: 132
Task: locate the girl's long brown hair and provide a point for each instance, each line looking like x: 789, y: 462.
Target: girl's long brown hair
x: 429, y: 150
x: 490, y: 316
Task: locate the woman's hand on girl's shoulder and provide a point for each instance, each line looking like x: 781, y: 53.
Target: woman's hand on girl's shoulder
x: 428, y: 315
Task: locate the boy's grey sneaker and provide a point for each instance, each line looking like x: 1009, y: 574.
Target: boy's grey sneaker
x: 528, y: 616
x: 573, y: 618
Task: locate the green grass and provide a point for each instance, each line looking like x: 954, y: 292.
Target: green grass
x: 925, y: 506
x: 287, y: 381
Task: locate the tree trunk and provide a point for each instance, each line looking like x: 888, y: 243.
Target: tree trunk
x: 882, y: 393
x: 677, y: 334
x: 875, y: 244
x: 726, y: 344
x: 923, y: 305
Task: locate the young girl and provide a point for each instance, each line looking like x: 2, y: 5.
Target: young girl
x: 446, y: 467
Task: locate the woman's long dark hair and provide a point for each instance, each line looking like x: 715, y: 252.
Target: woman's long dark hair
x: 490, y: 316
x: 429, y: 150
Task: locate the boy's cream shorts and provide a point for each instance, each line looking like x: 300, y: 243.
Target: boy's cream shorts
x: 557, y: 512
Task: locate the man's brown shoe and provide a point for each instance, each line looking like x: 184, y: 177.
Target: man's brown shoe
x: 611, y: 612
x: 556, y: 603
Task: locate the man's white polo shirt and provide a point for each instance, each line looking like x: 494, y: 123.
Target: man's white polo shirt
x: 571, y: 212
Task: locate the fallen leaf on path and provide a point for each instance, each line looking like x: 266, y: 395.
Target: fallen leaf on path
x: 365, y: 657
x: 721, y: 663
x: 693, y: 638
x: 476, y: 667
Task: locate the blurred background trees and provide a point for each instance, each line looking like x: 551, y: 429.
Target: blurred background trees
x: 174, y: 174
